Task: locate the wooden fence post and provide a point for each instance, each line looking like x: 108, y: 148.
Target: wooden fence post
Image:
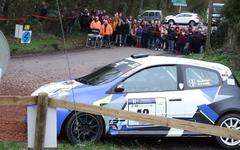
x: 40, y: 127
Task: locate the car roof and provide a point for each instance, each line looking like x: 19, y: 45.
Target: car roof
x: 153, y: 11
x: 190, y: 13
x: 164, y: 60
x: 218, y: 4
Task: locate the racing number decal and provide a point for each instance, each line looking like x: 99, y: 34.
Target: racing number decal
x: 145, y: 106
x: 144, y: 111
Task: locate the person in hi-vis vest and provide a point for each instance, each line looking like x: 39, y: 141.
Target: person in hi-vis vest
x: 106, y: 31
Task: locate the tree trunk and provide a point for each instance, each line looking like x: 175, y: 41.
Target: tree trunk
x: 141, y: 6
x: 2, y: 6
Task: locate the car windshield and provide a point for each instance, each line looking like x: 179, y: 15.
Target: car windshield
x: 108, y: 73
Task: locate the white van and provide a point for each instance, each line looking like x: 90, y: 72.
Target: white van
x: 151, y: 15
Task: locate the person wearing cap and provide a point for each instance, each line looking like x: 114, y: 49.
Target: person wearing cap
x: 106, y: 31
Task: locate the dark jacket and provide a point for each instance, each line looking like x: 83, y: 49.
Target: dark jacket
x: 119, y: 29
x: 171, y: 35
x: 126, y: 28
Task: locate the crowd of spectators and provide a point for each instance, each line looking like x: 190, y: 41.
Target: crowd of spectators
x: 127, y: 31
x: 119, y: 30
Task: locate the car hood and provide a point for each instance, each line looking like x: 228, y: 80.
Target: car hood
x: 55, y: 88
x: 74, y: 91
x: 170, y: 16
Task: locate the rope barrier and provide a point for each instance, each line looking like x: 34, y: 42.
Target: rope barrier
x: 23, y: 19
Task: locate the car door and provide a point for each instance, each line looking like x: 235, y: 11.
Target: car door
x: 201, y: 88
x: 151, y: 16
x: 180, y: 18
x: 187, y: 18
x: 152, y: 91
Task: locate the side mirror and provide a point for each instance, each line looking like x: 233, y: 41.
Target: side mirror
x: 119, y: 88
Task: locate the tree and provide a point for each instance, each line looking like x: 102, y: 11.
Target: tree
x: 232, y: 13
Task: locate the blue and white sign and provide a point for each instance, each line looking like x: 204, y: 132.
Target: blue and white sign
x: 26, y: 37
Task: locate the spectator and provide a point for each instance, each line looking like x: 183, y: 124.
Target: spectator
x: 196, y: 41
x: 125, y: 32
x: 43, y: 9
x: 132, y: 37
x: 106, y: 31
x: 96, y: 25
x: 164, y: 36
x: 151, y: 35
x: 186, y: 49
x: 114, y: 24
x: 139, y: 31
x: 85, y: 20
x: 119, y: 32
x: 182, y: 39
x: 158, y: 39
x: 171, y: 40
x: 145, y: 26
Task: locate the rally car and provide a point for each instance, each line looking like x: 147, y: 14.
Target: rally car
x: 156, y: 85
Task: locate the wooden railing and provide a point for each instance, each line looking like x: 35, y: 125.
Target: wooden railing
x: 43, y: 102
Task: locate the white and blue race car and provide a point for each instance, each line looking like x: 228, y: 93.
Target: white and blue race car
x: 156, y: 85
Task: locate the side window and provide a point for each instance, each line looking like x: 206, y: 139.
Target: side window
x: 199, y: 77
x: 157, y: 14
x: 151, y: 14
x: 181, y: 15
x: 145, y: 14
x: 161, y: 78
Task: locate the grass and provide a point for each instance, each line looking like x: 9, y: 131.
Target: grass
x: 12, y: 146
x: 48, y: 42
x: 64, y: 146
x: 218, y: 56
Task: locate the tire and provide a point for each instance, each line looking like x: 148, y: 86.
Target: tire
x: 192, y: 23
x: 225, y: 121
x: 88, y: 129
x: 171, y: 22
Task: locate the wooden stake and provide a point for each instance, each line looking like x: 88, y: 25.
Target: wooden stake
x: 42, y: 105
x: 209, y: 30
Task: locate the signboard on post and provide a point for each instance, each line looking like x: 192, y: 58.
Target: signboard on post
x: 18, y: 31
x: 179, y: 3
x: 26, y: 37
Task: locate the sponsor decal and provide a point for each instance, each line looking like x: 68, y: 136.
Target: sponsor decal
x: 210, y: 114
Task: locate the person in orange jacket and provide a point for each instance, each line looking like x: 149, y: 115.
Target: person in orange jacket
x: 107, y: 32
x: 96, y: 24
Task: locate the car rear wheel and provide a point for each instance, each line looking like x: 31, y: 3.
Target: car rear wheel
x: 84, y: 128
x: 192, y: 23
x: 231, y: 121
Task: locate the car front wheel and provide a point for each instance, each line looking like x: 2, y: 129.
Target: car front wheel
x: 171, y: 22
x: 84, y: 128
x: 231, y: 121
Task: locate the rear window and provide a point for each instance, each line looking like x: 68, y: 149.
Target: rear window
x: 188, y: 15
x: 108, y: 73
x: 201, y: 77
